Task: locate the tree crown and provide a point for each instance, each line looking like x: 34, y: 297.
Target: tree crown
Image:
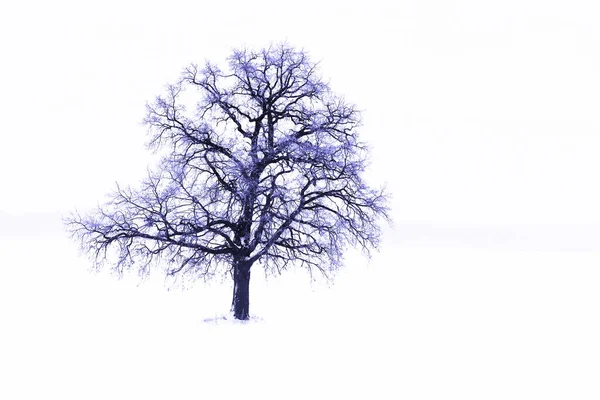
x: 262, y: 163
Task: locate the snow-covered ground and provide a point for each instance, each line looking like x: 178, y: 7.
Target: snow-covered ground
x: 416, y: 322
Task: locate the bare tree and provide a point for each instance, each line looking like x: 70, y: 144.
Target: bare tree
x: 265, y: 167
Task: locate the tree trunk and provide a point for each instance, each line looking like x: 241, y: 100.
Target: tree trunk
x: 241, y: 290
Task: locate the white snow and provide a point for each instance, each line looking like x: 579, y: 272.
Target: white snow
x: 414, y: 322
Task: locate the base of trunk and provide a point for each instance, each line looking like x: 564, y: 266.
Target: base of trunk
x: 241, y: 292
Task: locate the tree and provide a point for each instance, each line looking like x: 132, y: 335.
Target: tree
x: 263, y: 167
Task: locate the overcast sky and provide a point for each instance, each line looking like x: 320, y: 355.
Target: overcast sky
x: 477, y: 112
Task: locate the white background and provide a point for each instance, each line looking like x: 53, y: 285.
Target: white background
x: 483, y: 122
